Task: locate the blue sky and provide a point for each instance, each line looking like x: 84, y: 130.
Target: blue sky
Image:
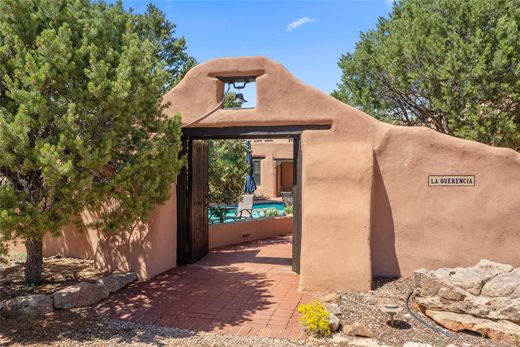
x: 310, y: 48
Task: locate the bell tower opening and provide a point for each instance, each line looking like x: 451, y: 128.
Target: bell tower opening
x: 239, y: 92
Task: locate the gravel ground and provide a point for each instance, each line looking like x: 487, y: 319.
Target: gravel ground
x: 57, y: 273
x: 85, y: 328
x: 363, y: 307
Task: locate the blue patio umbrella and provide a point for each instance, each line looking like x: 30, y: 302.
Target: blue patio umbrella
x: 249, y: 184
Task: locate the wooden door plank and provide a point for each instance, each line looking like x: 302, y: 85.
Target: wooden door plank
x: 182, y: 209
x: 199, y: 237
x: 297, y: 205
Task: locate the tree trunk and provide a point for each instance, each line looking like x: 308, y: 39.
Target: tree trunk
x: 34, y: 263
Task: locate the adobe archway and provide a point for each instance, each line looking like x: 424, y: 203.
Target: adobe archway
x: 367, y: 208
x: 192, y: 228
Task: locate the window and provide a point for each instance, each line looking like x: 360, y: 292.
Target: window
x: 240, y: 92
x: 256, y: 171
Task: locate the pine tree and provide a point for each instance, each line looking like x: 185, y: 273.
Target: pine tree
x: 81, y: 121
x: 450, y: 65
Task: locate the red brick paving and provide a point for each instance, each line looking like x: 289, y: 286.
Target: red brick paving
x: 247, y: 289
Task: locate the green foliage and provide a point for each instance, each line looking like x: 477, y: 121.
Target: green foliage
x: 81, y: 121
x: 229, y: 100
x: 20, y: 257
x: 263, y: 196
x: 227, y: 167
x: 153, y: 26
x: 315, y: 318
x: 3, y: 253
x: 289, y: 209
x: 220, y: 213
x: 227, y: 170
x: 450, y: 65
x: 272, y: 213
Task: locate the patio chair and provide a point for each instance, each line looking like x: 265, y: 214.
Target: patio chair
x: 245, y: 207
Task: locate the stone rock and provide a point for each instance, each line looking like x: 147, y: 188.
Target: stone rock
x: 334, y: 322
x: 487, y: 290
x: 337, y: 338
x: 329, y: 297
x: 333, y: 308
x: 416, y: 344
x: 364, y: 342
x: 79, y: 295
x: 356, y: 330
x: 471, y: 279
x: 29, y: 305
x: 428, y: 284
x: 505, y: 284
x: 501, y: 330
x: 117, y: 281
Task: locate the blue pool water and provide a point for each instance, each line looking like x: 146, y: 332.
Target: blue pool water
x: 259, y: 211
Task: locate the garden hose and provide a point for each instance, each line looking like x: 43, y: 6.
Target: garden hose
x: 425, y: 323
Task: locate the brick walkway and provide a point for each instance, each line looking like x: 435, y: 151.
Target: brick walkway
x: 247, y: 289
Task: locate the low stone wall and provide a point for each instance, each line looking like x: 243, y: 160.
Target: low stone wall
x: 247, y: 230
x: 80, y: 294
x: 484, y: 299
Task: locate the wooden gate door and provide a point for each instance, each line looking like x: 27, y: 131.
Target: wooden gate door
x: 198, y: 237
x: 297, y: 204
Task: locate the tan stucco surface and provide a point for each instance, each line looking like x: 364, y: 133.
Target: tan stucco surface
x: 277, y: 149
x: 148, y: 249
x: 366, y: 206
x: 248, y: 230
x: 15, y: 249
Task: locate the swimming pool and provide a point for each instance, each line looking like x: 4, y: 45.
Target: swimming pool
x: 260, y: 209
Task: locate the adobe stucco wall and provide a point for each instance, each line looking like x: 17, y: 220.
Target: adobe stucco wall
x: 15, y: 249
x: 278, y: 149
x: 148, y: 249
x: 414, y: 224
x: 366, y: 206
x: 247, y: 230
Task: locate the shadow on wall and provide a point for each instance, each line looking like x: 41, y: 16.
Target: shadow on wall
x: 382, y: 240
x: 125, y: 251
x: 147, y: 248
x: 71, y: 243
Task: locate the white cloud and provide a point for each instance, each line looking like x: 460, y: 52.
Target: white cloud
x: 299, y: 22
